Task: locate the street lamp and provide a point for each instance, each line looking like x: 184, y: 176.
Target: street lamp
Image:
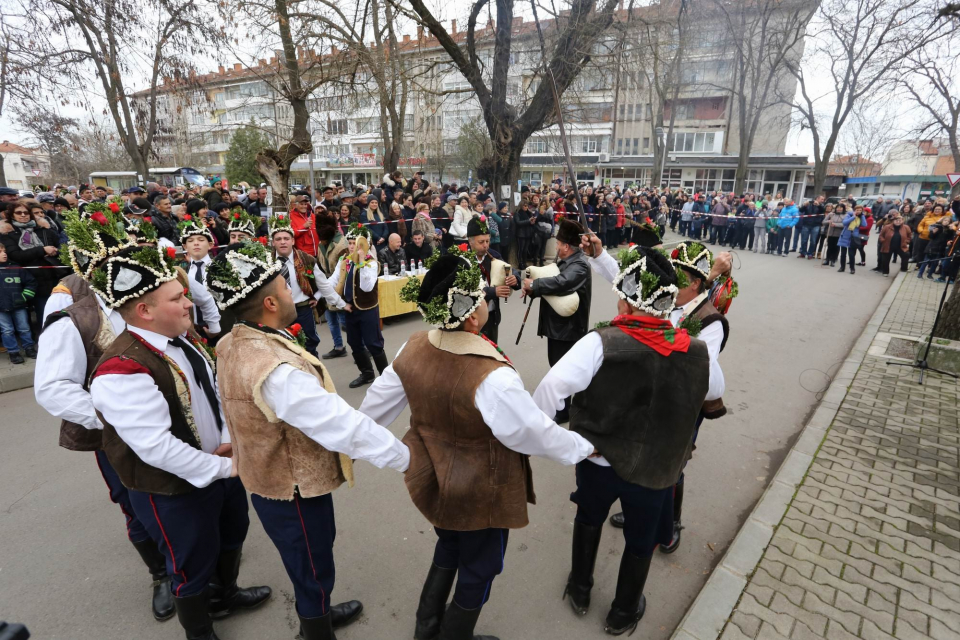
x: 663, y: 150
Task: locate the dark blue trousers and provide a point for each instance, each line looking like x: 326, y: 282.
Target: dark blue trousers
x: 308, y: 325
x: 363, y: 331
x: 478, y: 558
x: 192, y: 529
x: 119, y: 496
x: 303, y: 531
x: 647, y: 513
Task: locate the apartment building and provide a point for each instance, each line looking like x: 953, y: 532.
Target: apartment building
x: 608, y: 114
x: 24, y: 167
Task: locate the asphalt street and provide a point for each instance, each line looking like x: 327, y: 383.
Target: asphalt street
x: 68, y: 572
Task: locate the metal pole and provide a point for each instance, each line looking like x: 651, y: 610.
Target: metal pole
x: 563, y: 135
x: 663, y: 157
x: 313, y: 185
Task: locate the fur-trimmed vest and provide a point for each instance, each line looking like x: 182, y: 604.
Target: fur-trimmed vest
x: 273, y: 458
x: 460, y: 477
x: 708, y: 314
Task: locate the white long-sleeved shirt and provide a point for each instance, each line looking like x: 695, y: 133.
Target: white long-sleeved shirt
x: 62, y: 366
x: 506, y: 407
x: 607, y: 267
x: 134, y: 406
x: 369, y: 273
x: 202, y: 299
x: 299, y: 400
x: 323, y: 285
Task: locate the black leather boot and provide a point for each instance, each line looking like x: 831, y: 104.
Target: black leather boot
x: 433, y: 602
x: 163, y: 607
x: 230, y: 597
x: 586, y: 541
x: 344, y: 613
x: 629, y: 604
x: 380, y: 359
x: 193, y: 616
x: 317, y: 628
x: 616, y: 520
x: 677, y: 526
x: 362, y: 360
x: 458, y: 624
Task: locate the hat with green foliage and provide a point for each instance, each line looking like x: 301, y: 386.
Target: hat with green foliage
x: 93, y: 236
x: 243, y: 222
x: 280, y: 222
x: 647, y: 281
x: 239, y: 270
x: 191, y: 226
x: 143, y: 229
x: 450, y: 291
x: 357, y: 229
x: 694, y: 258
x: 133, y: 272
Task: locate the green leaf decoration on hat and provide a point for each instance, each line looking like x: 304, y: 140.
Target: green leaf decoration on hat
x: 357, y: 229
x: 222, y: 271
x: 240, y: 220
x: 144, y: 229
x: 280, y: 222
x: 85, y: 230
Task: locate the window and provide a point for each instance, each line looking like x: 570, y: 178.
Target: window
x: 620, y: 147
x: 531, y: 178
x: 685, y: 111
x: 589, y: 145
x: 646, y: 144
x: 337, y: 127
x: 536, y: 146
x: 672, y: 178
x: 629, y: 112
x: 649, y: 113
x: 622, y: 110
x: 636, y: 150
x: 696, y: 142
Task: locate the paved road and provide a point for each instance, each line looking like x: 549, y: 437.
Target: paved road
x: 67, y: 571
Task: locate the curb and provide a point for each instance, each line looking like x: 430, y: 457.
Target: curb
x: 708, y: 615
x: 18, y: 377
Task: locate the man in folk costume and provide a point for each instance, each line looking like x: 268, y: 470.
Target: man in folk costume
x: 197, y: 240
x: 333, y: 245
x: 306, y: 280
x: 694, y: 305
x: 77, y: 329
x: 242, y: 226
x: 574, y: 278
x: 293, y: 436
x: 478, y: 236
x: 356, y: 280
x: 643, y: 433
x: 472, y: 428
x: 163, y: 433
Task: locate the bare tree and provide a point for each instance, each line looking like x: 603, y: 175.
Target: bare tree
x: 859, y: 48
x: 872, y: 129
x: 576, y: 28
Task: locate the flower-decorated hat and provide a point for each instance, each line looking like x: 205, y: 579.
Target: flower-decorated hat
x: 279, y: 222
x: 647, y: 281
x: 357, y: 229
x: 243, y: 222
x: 477, y: 226
x: 132, y: 272
x: 143, y: 229
x: 93, y: 236
x: 693, y: 257
x: 648, y: 235
x: 239, y: 270
x: 190, y: 226
x: 451, y: 290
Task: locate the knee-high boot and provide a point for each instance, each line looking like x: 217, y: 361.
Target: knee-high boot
x: 629, y: 604
x: 162, y: 605
x: 586, y: 541
x: 677, y: 511
x: 433, y: 602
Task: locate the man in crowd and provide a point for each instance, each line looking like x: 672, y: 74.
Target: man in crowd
x: 810, y: 223
x: 416, y: 249
x: 574, y: 278
x: 392, y: 257
x: 478, y: 236
x: 163, y: 218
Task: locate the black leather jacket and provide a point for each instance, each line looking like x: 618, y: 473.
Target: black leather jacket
x: 574, y: 278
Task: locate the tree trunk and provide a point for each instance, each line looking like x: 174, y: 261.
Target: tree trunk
x: 140, y: 166
x: 743, y: 164
x: 502, y: 168
x: 949, y: 326
x: 275, y: 169
x: 3, y: 172
x: 391, y: 157
x: 819, y: 177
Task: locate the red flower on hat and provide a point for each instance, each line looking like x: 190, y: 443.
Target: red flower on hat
x: 295, y: 330
x: 359, y: 225
x: 632, y: 244
x: 675, y: 254
x: 99, y: 218
x: 262, y: 240
x: 114, y: 207
x: 188, y: 217
x: 279, y: 216
x: 147, y: 219
x: 483, y: 218
x: 236, y: 216
x: 171, y: 253
x: 463, y: 246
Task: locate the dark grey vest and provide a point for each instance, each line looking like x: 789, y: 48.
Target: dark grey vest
x: 641, y: 408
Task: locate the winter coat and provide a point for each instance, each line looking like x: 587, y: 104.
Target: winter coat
x: 17, y: 287
x: 377, y: 227
x: 923, y: 228
x: 760, y: 221
x: 46, y: 279
x: 773, y: 223
x: 940, y: 235
x: 846, y: 235
x: 789, y: 217
x: 865, y: 229
x: 461, y: 217
x: 886, y: 237
x: 832, y: 225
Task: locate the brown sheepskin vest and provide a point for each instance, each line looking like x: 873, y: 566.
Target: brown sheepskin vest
x: 135, y: 473
x: 273, y: 458
x: 460, y: 477
x: 96, y: 333
x: 708, y: 314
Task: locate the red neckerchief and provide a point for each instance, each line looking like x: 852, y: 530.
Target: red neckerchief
x: 659, y: 335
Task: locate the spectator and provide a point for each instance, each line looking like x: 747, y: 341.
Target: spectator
x: 378, y: 228
x: 393, y: 258
x: 686, y: 217
x: 304, y: 226
x: 700, y: 213
x: 773, y: 229
x: 759, y: 229
x: 789, y: 218
x: 849, y: 238
x: 832, y: 229
x: 417, y: 249
x: 931, y: 216
x: 17, y: 290
x: 810, y: 224
x: 864, y: 237
x: 163, y: 219
x: 395, y: 221
x: 524, y: 221
x: 939, y: 234
x: 32, y: 242
x: 505, y: 223
x: 494, y: 220
x: 461, y: 216
x: 894, y: 239
x: 821, y: 231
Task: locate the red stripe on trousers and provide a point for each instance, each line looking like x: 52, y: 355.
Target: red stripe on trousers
x: 303, y: 525
x: 110, y: 495
x: 166, y: 541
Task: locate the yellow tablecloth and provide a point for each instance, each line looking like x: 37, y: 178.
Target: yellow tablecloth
x: 390, y: 303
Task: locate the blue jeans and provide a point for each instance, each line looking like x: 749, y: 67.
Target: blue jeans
x: 784, y: 244
x: 12, y: 324
x: 808, y: 240
x: 337, y: 323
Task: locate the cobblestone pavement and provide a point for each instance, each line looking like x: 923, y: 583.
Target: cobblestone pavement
x: 870, y: 545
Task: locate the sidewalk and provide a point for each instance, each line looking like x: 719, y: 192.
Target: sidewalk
x: 868, y: 544
x: 15, y: 376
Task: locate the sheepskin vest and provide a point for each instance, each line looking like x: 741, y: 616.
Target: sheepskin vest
x: 460, y: 477
x: 644, y: 429
x: 708, y: 314
x: 273, y: 458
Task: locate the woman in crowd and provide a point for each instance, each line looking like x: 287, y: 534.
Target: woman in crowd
x: 940, y: 233
x: 396, y: 223
x: 461, y: 216
x: 864, y: 237
x: 421, y: 222
x: 906, y: 212
x: 374, y: 217
x: 832, y: 228
x: 894, y: 240
x: 493, y: 224
x: 850, y: 238
x: 32, y: 241
x: 505, y: 222
x: 822, y: 238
